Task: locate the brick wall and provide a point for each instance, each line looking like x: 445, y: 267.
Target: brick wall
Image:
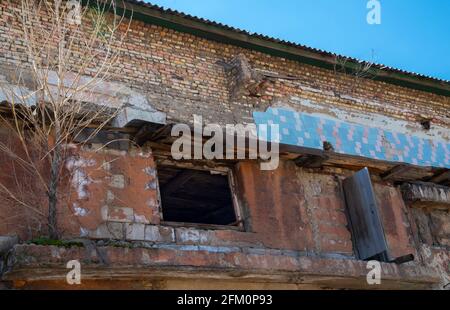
x: 114, y: 195
x: 183, y: 74
x: 290, y: 210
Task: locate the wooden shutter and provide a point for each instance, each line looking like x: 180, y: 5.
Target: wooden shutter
x: 366, y: 226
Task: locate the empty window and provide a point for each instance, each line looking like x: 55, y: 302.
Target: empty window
x: 195, y: 196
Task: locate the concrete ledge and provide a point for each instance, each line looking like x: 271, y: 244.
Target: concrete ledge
x: 134, y: 117
x: 170, y: 235
x: 135, y: 108
x: 46, y: 264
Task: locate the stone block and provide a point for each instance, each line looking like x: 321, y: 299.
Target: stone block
x: 117, y: 181
x: 135, y: 232
x: 159, y: 234
x: 109, y: 230
x: 193, y: 236
x: 134, y: 117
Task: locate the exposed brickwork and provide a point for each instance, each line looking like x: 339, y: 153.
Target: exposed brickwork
x: 429, y: 229
x: 188, y: 72
x: 117, y: 188
x: 433, y: 227
x: 441, y: 227
x: 395, y: 221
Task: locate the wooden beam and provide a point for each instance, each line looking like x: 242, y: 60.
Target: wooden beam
x: 395, y: 172
x: 441, y: 177
x: 311, y: 161
x: 162, y: 133
x: 152, y: 132
x: 142, y: 135
x: 111, y: 139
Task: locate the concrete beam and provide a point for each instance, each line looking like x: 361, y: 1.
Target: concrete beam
x: 426, y: 195
x: 135, y: 108
x: 17, y: 95
x: 144, y: 264
x: 135, y: 117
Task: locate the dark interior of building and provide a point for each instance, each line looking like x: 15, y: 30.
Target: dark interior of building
x: 194, y: 196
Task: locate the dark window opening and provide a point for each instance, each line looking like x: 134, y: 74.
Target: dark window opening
x: 194, y: 196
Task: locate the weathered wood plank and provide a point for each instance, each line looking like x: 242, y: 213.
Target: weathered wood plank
x: 311, y: 161
x: 441, y: 177
x: 394, y: 172
x: 363, y: 213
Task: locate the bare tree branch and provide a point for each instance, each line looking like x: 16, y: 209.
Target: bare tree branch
x: 52, y: 95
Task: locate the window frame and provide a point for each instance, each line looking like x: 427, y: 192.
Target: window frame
x: 227, y: 170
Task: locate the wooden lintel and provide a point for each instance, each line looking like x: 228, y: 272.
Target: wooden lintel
x: 311, y: 161
x: 141, y: 135
x: 151, y: 132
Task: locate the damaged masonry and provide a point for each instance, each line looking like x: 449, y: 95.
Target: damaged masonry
x: 359, y: 166
x: 256, y: 138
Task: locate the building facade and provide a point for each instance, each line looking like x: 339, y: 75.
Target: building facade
x: 137, y: 218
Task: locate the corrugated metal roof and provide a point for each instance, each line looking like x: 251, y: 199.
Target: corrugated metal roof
x: 283, y: 42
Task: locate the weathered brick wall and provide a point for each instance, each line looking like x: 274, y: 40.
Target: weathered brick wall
x: 21, y: 194
x: 113, y: 195
x: 291, y: 212
x: 111, y: 186
x: 183, y: 74
x: 293, y: 209
x: 430, y: 230
x: 394, y: 216
x: 288, y: 212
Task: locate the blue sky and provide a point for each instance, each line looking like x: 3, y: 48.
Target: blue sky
x: 414, y: 35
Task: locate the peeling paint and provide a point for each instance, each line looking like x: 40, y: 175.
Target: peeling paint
x: 78, y: 211
x: 141, y: 219
x: 151, y: 185
x: 84, y: 232
x: 366, y: 118
x: 79, y: 179
x: 146, y: 260
x: 440, y: 261
x: 110, y: 196
x: 192, y: 235
x: 311, y: 131
x: 151, y: 171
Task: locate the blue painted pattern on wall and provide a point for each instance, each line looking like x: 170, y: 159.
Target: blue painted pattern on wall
x: 306, y: 130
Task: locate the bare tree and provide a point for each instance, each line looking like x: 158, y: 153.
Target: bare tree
x: 68, y: 51
x: 358, y: 70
